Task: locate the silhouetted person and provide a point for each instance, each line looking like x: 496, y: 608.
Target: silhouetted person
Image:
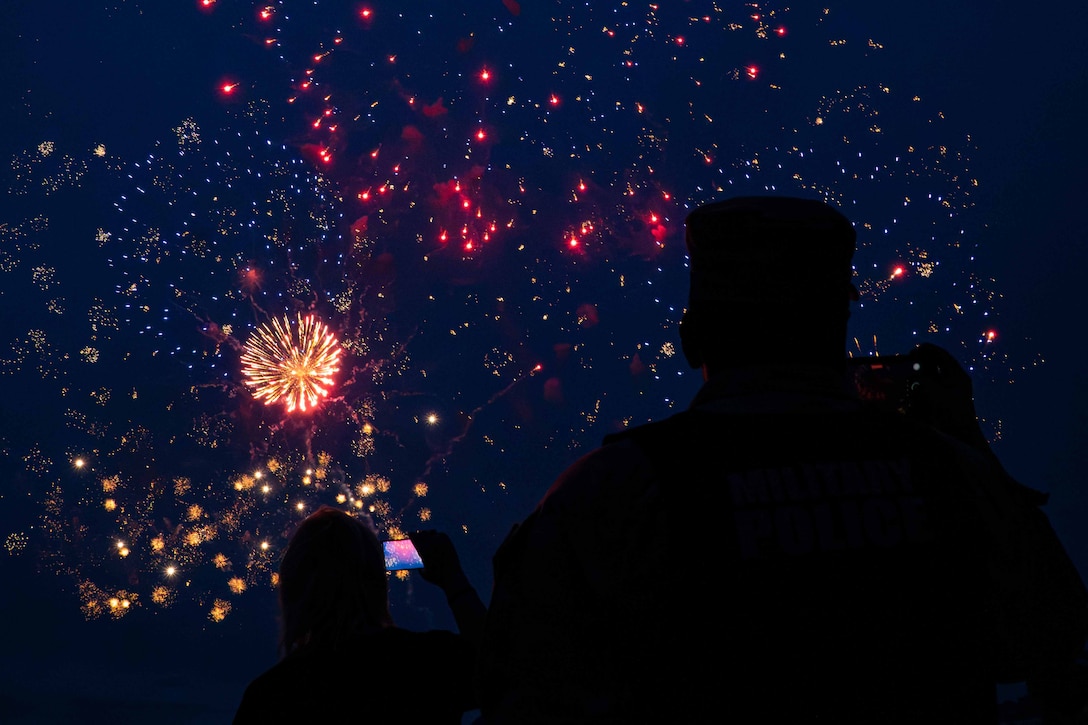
x: 782, y: 551
x: 344, y: 660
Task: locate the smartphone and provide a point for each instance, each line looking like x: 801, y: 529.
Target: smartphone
x: 401, y: 554
x: 887, y: 381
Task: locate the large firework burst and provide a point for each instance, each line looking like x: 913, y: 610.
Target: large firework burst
x: 292, y: 364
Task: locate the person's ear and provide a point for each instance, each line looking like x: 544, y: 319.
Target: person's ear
x: 689, y: 336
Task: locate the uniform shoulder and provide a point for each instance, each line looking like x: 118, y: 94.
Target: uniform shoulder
x: 617, y: 465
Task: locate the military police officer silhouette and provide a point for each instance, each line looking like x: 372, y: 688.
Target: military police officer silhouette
x: 783, y: 551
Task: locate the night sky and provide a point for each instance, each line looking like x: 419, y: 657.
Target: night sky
x: 483, y: 205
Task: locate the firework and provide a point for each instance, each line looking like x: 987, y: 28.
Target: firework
x: 502, y: 251
x: 294, y: 365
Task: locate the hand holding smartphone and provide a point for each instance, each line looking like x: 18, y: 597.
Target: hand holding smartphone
x: 401, y: 554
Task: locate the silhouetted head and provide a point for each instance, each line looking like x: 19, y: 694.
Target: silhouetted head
x: 332, y: 580
x: 770, y: 282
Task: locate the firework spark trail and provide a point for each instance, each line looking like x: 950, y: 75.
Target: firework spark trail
x: 443, y: 453
x: 469, y: 417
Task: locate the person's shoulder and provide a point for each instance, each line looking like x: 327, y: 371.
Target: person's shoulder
x: 616, y: 459
x: 269, y: 679
x: 618, y: 468
x: 271, y: 695
x: 388, y: 661
x: 396, y: 637
x: 637, y: 436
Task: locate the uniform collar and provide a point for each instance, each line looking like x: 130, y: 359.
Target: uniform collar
x: 772, y: 387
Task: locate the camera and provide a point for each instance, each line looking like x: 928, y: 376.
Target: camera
x: 889, y: 382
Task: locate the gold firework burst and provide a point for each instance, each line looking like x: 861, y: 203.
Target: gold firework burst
x: 292, y: 364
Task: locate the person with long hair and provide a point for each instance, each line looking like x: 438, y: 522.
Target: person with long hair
x: 342, y: 656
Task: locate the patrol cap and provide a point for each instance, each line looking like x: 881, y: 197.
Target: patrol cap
x: 769, y: 251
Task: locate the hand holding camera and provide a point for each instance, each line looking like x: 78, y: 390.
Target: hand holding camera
x: 927, y: 384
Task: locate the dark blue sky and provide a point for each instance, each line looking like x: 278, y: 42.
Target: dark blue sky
x: 109, y: 350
